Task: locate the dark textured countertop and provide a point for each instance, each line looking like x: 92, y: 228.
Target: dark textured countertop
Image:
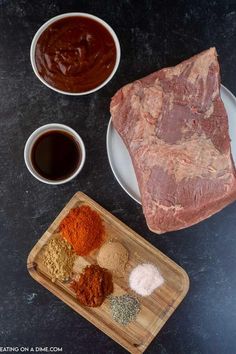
x: 153, y: 34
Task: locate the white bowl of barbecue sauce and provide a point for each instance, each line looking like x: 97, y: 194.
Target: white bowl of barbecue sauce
x: 54, y: 154
x: 75, y: 53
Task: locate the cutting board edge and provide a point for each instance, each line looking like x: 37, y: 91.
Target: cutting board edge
x: 32, y: 269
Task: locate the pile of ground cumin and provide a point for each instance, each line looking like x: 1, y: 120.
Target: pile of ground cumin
x: 113, y: 256
x: 59, y: 258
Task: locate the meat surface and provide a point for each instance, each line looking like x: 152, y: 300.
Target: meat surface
x: 175, y: 127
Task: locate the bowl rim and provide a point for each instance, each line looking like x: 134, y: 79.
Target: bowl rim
x: 74, y: 14
x: 35, y: 135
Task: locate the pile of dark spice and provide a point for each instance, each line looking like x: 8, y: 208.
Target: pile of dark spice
x: 124, y: 308
x: 93, y: 286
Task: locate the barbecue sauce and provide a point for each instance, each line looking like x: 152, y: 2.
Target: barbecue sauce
x: 75, y: 54
x: 55, y: 155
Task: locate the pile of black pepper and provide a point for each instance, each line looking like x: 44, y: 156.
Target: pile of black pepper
x: 124, y: 308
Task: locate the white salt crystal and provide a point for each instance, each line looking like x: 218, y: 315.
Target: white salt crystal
x: 144, y: 279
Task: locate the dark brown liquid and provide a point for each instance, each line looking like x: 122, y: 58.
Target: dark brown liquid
x: 55, y: 155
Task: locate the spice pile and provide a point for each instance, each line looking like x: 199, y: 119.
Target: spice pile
x: 93, y: 286
x: 59, y: 258
x: 124, y: 308
x: 83, y: 229
x: 144, y: 279
x: 113, y: 256
x: 81, y: 232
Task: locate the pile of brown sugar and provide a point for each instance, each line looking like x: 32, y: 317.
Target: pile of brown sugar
x: 59, y: 258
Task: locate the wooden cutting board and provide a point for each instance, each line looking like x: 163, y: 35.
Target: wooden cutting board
x: 155, y: 309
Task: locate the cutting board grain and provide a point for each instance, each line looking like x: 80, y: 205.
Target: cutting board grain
x: 155, y: 309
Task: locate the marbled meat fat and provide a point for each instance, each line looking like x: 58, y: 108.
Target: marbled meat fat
x: 175, y: 127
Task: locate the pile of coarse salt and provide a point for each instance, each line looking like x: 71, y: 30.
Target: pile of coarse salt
x: 144, y: 279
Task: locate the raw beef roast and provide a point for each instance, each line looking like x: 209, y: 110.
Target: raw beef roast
x: 175, y: 127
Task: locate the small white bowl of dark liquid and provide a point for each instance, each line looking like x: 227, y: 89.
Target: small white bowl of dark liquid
x: 54, y: 153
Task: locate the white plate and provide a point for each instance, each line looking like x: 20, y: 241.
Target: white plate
x: 120, y: 160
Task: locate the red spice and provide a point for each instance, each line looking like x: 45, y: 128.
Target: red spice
x: 83, y: 229
x: 93, y: 286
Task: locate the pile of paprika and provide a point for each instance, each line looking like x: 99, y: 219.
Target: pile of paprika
x: 83, y: 229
